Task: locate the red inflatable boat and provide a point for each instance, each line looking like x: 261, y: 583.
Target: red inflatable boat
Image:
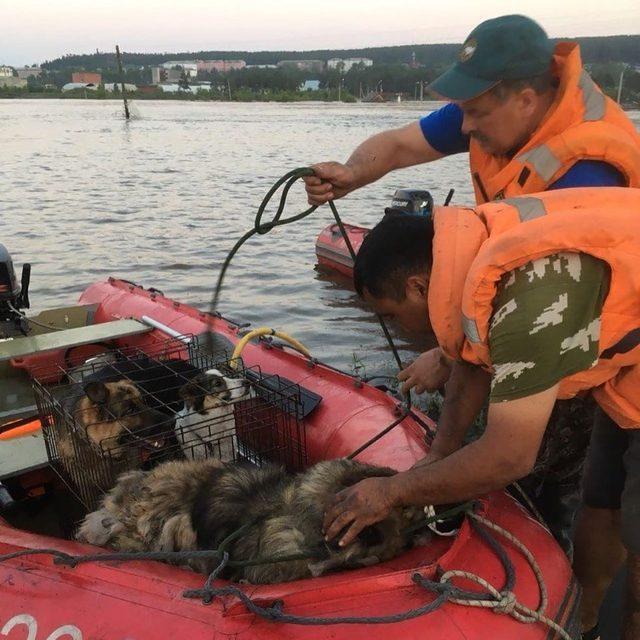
x: 332, y: 251
x: 40, y: 599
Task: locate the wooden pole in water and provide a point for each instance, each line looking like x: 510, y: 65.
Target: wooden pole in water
x: 124, y: 97
x: 620, y: 83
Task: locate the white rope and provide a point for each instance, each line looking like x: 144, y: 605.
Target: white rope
x: 506, y: 601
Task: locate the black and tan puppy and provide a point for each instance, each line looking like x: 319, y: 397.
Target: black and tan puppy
x: 197, y: 504
x: 206, y: 426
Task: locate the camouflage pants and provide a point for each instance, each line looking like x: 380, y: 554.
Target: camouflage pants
x: 555, y: 485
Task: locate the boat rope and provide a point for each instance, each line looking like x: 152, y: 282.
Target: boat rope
x: 178, y: 557
x: 501, y: 601
x: 261, y: 227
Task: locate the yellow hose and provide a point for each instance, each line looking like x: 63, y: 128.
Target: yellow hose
x: 266, y: 331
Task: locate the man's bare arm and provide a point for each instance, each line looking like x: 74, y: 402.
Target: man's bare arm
x: 466, y: 392
x: 374, y: 158
x: 505, y: 452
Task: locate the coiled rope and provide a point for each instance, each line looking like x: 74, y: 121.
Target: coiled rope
x: 261, y: 227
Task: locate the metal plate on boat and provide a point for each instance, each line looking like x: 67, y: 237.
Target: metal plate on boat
x: 28, y: 345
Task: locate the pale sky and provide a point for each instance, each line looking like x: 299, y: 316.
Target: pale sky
x: 36, y: 30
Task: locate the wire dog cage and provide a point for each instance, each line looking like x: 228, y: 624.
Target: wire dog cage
x: 133, y: 409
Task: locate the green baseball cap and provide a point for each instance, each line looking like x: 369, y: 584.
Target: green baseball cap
x: 505, y: 48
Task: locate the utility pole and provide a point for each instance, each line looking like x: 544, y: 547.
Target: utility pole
x: 229, y: 88
x: 124, y: 97
x: 624, y: 66
x: 421, y: 91
x: 339, y: 89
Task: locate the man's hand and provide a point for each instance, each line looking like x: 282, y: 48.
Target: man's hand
x: 428, y: 372
x: 331, y: 181
x: 359, y: 506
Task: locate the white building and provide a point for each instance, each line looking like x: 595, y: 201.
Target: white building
x: 70, y: 86
x: 347, y: 63
x: 108, y: 86
x: 190, y: 67
x: 6, y: 72
x: 29, y: 72
x: 11, y: 81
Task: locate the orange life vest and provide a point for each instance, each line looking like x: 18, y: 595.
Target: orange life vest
x: 582, y: 124
x: 474, y: 248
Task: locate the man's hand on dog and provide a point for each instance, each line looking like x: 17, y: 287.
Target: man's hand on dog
x: 428, y: 372
x: 332, y: 180
x: 357, y: 507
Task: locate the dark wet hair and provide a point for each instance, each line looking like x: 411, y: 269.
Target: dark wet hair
x: 397, y: 247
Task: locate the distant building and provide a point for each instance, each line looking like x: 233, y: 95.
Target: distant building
x: 302, y: 65
x: 190, y: 67
x: 348, y: 63
x: 310, y: 85
x: 71, y: 86
x: 12, y: 81
x: 6, y: 72
x: 173, y: 88
x: 86, y: 77
x: 29, y: 72
x: 160, y: 75
x: 261, y: 66
x: 108, y: 86
x: 221, y: 66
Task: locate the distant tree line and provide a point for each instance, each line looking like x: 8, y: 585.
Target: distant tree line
x: 605, y: 58
x: 594, y: 50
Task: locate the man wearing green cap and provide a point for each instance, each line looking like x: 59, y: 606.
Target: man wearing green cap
x: 531, y: 120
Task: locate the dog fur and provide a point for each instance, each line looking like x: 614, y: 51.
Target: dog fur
x: 196, y: 504
x: 205, y: 427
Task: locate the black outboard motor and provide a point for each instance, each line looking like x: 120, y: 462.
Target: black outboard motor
x: 13, y: 296
x: 413, y: 202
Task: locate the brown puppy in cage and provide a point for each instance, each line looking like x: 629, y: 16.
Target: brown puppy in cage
x: 124, y: 404
x: 197, y: 504
x: 110, y: 414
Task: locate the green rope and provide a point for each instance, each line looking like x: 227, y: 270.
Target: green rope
x: 261, y: 228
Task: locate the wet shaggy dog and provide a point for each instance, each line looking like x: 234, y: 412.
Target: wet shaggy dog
x: 205, y: 427
x: 197, y: 504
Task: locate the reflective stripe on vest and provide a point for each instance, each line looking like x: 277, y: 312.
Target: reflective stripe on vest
x: 528, y: 208
x: 470, y: 329
x: 544, y: 163
x: 594, y: 101
x: 541, y: 158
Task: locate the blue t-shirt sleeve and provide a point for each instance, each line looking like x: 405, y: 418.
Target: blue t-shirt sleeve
x: 442, y: 129
x: 590, y: 173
